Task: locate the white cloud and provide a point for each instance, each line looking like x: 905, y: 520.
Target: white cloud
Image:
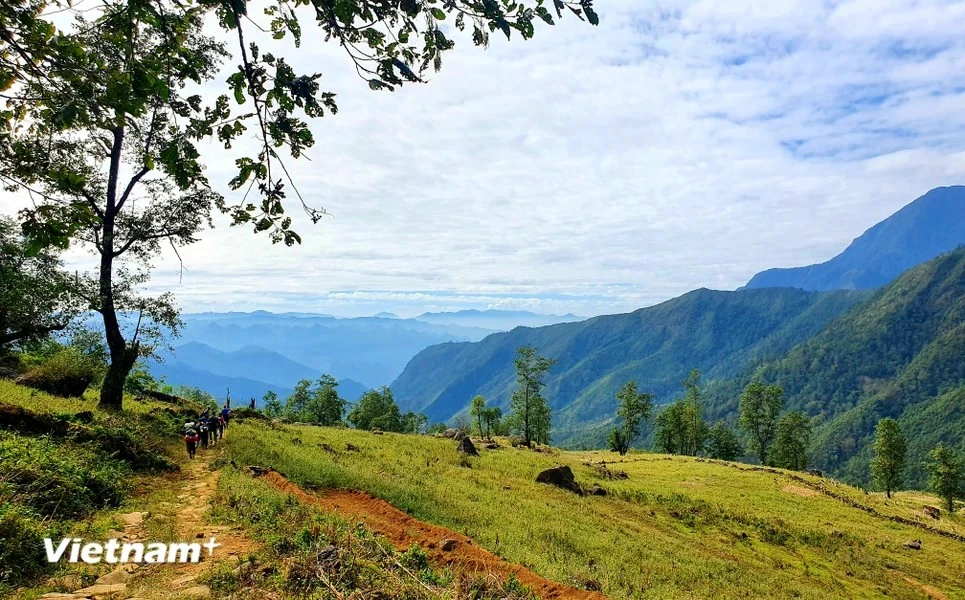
x: 597, y: 169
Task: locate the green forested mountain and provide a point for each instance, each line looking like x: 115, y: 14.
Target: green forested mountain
x: 901, y: 354
x: 721, y: 333
x: 846, y: 359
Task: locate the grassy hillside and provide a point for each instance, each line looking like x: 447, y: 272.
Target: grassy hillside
x: 898, y: 355
x: 675, y: 528
x: 62, y: 463
x: 720, y: 333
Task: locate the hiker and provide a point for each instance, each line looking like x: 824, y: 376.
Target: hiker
x: 225, y: 414
x: 203, y: 433
x: 221, y: 425
x: 213, y: 429
x: 251, y: 404
x: 191, y: 441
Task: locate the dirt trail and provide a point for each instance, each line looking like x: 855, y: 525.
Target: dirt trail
x: 444, y: 546
x: 196, y: 485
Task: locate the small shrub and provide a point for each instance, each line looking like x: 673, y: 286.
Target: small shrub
x: 415, y: 559
x: 60, y: 480
x: 66, y: 373
x: 22, y: 554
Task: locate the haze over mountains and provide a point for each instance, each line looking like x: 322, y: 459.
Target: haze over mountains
x: 252, y: 353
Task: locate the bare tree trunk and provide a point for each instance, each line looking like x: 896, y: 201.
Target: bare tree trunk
x: 122, y: 356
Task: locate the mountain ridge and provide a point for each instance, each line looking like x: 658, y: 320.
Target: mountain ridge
x: 920, y: 231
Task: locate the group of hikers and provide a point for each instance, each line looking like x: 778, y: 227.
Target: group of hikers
x: 207, y: 429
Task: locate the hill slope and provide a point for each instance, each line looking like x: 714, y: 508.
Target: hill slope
x: 717, y: 332
x: 929, y: 226
x: 901, y: 355
x: 674, y: 528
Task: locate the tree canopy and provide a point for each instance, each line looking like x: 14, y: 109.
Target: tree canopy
x: 633, y: 407
x: 891, y: 448
x: 35, y: 292
x: 531, y: 412
x: 102, y: 128
x: 760, y: 408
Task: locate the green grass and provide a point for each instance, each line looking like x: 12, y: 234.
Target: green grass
x: 308, y: 553
x: 678, y: 527
x: 64, y: 465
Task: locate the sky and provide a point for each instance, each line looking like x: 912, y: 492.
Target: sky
x: 594, y: 170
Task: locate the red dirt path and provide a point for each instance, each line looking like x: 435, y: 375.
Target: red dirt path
x: 403, y: 530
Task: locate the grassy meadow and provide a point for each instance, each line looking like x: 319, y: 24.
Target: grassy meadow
x: 676, y: 528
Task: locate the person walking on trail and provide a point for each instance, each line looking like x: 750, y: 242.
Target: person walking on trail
x: 203, y: 433
x: 191, y: 439
x: 213, y: 429
x: 225, y: 414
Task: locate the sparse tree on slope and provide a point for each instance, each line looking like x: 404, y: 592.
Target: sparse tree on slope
x: 723, y: 443
x: 888, y: 465
x: 325, y: 406
x: 297, y: 402
x: 633, y: 408
x: 492, y: 418
x: 694, y: 428
x: 376, y: 409
x: 531, y: 412
x: 413, y: 422
x: 478, y: 410
x: 273, y: 406
x: 947, y: 474
x: 791, y: 442
x: 671, y: 429
x: 101, y: 128
x: 760, y: 409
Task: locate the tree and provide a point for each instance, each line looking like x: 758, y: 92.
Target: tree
x: 325, y: 406
x: 492, y: 417
x: 888, y: 465
x: 693, y: 428
x: 273, y: 406
x: 35, y: 294
x: 670, y: 433
x: 101, y: 128
x: 791, y: 442
x: 633, y: 408
x: 760, y: 408
x: 723, y: 443
x: 413, y: 422
x: 531, y: 411
x: 376, y: 409
x: 297, y: 402
x: 478, y: 409
x: 947, y: 474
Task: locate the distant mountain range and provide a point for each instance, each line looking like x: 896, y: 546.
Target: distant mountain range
x: 846, y: 357
x: 495, y: 320
x: 252, y: 353
x: 931, y: 225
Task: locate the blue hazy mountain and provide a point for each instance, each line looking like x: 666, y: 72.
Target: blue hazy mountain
x: 370, y: 350
x: 249, y: 372
x: 928, y: 227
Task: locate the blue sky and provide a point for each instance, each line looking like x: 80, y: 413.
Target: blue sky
x: 680, y: 144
